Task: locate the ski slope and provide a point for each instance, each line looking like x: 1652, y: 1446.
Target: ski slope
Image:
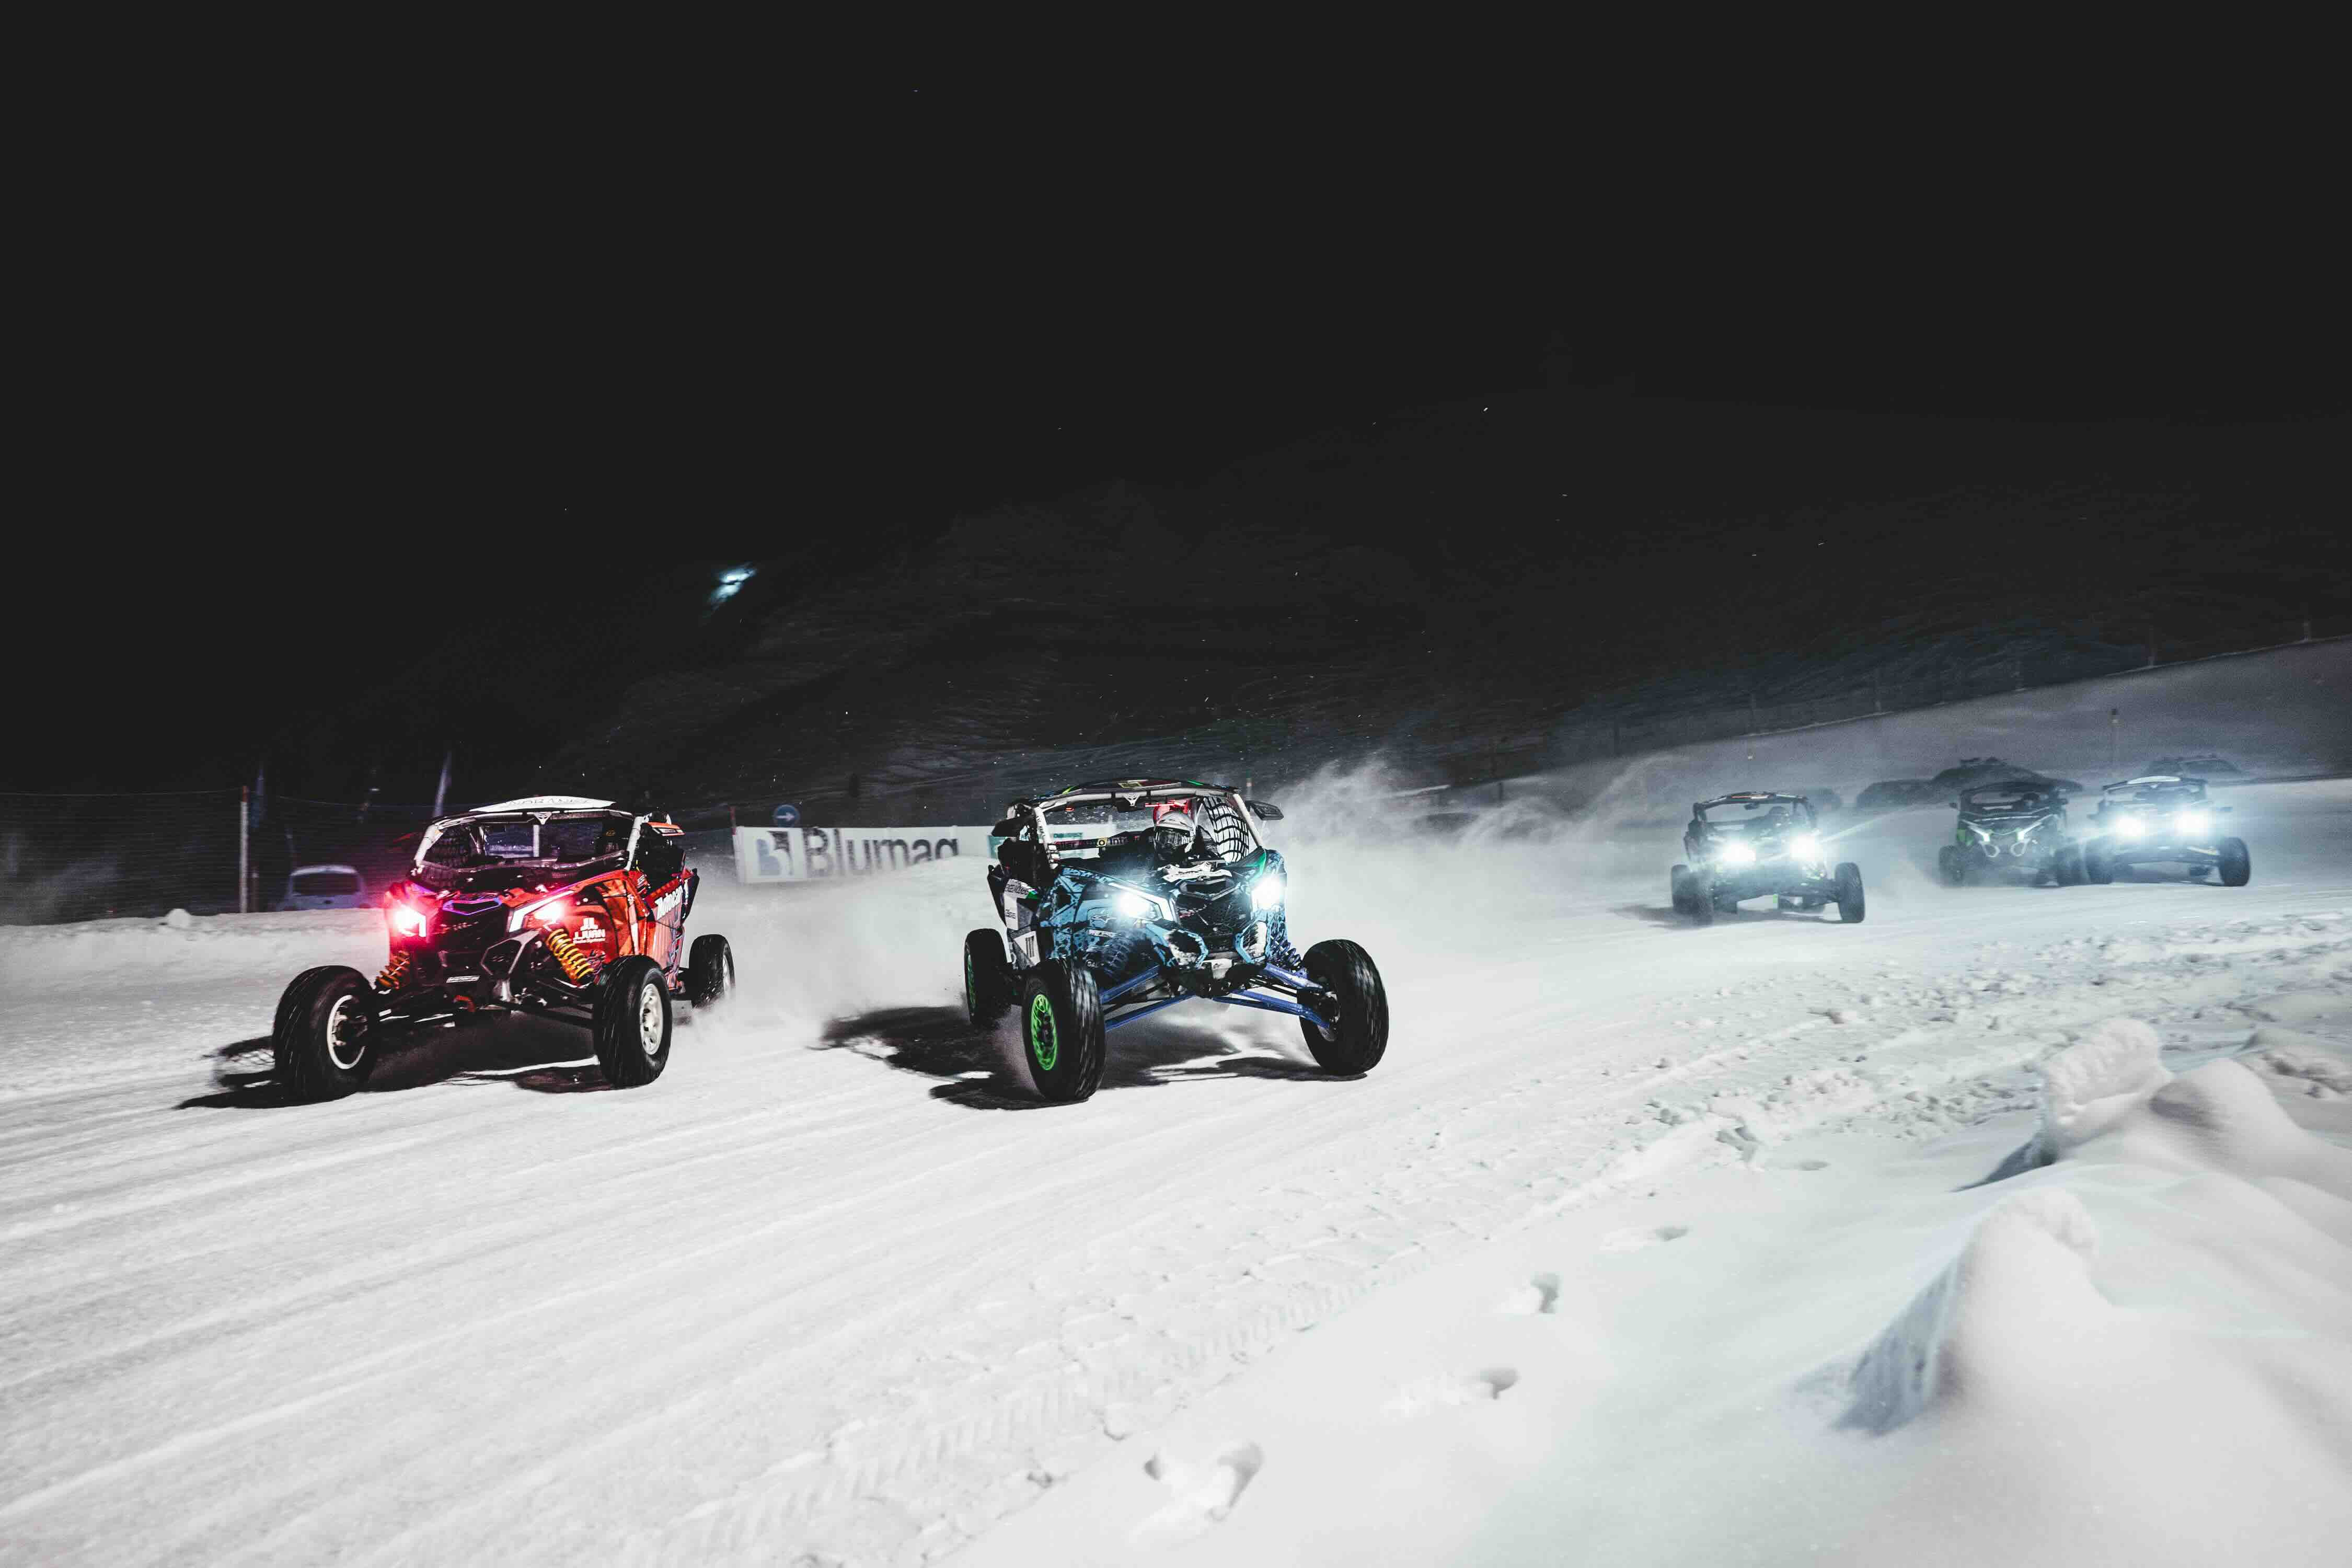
x: 834, y: 1288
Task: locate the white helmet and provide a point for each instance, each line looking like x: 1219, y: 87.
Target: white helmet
x: 1172, y: 830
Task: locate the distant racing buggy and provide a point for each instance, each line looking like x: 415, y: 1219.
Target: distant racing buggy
x: 551, y: 904
x: 2017, y: 826
x: 2161, y: 817
x: 1752, y: 844
x: 1119, y: 899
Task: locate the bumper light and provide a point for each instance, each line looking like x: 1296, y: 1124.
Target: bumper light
x: 406, y: 919
x: 2194, y: 821
x: 1738, y: 855
x: 2131, y: 828
x: 1266, y: 893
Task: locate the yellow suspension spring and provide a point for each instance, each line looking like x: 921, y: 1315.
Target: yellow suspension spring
x: 567, y: 953
x: 394, y: 973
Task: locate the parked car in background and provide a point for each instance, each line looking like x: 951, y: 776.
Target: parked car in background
x: 325, y: 888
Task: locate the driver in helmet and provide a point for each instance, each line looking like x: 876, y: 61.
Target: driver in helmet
x: 1174, y: 838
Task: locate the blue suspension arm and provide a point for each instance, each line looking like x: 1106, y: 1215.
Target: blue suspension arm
x: 1274, y: 1004
x: 1142, y: 1010
x: 1132, y: 983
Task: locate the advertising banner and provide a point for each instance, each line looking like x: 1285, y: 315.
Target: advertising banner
x: 821, y: 853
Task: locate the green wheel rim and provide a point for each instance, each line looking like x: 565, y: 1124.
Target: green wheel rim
x: 1044, y: 1045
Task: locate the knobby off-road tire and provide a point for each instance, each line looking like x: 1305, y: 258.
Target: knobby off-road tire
x: 1850, y: 902
x: 2096, y: 867
x: 1062, y: 1030
x: 1356, y: 1043
x: 989, y: 986
x: 632, y: 1022
x: 2066, y: 866
x: 2237, y: 865
x: 1700, y: 911
x: 323, y: 1042
x: 1679, y: 887
x: 710, y: 971
x: 1954, y: 870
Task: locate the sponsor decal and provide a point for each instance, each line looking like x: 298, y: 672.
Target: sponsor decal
x: 825, y: 854
x: 590, y: 931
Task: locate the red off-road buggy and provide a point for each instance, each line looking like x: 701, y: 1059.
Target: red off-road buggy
x: 553, y: 904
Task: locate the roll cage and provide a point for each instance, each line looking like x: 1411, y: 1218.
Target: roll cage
x: 562, y: 835
x: 1751, y: 801
x: 2153, y: 789
x: 2016, y: 799
x: 1077, y: 823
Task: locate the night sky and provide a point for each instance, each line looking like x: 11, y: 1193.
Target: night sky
x: 279, y: 460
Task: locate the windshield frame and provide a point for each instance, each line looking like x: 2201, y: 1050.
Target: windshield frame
x: 473, y: 825
x: 1145, y: 797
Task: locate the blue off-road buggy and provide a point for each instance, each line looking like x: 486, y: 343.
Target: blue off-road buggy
x: 1121, y: 899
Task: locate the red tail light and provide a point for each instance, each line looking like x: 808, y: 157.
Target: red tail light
x: 406, y: 919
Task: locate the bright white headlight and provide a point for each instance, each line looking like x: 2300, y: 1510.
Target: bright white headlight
x: 1265, y: 892
x: 1809, y: 846
x: 1132, y: 906
x: 1738, y: 854
x: 2193, y: 821
x: 2130, y: 827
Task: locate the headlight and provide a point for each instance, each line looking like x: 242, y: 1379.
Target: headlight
x: 1808, y: 845
x: 2130, y: 827
x: 1266, y: 893
x: 2193, y: 821
x: 1738, y: 854
x: 406, y: 919
x: 547, y: 911
x: 1135, y: 904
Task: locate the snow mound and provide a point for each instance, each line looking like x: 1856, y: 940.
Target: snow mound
x: 2292, y: 1052
x: 182, y: 947
x: 2020, y: 1292
x: 2090, y: 1085
x: 2075, y: 1368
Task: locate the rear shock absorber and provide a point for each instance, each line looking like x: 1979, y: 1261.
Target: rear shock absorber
x: 395, y: 973
x: 576, y: 963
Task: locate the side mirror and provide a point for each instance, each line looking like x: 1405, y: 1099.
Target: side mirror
x: 1266, y: 810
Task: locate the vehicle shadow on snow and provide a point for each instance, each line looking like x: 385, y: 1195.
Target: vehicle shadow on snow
x: 939, y: 1043
x: 535, y: 1054
x: 1664, y: 915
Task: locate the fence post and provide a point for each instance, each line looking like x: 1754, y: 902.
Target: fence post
x: 244, y: 849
